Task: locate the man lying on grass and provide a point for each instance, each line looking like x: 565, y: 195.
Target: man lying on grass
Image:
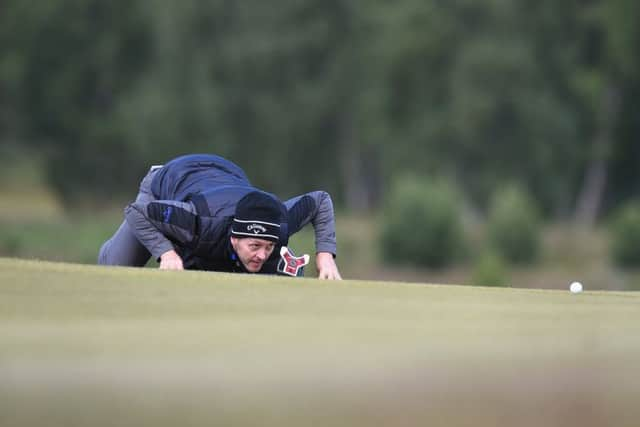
x: 201, y: 212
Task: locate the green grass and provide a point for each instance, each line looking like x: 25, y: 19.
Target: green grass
x: 33, y: 225
x: 87, y: 345
x: 60, y: 239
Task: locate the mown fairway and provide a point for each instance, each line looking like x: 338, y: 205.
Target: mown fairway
x: 95, y: 346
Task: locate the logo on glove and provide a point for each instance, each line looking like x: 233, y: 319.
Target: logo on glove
x: 290, y: 264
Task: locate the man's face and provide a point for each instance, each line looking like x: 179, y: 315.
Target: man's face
x: 252, y: 252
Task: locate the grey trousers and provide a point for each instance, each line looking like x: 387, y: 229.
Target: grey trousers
x: 123, y: 248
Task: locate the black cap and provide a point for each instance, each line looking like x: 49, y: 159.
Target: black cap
x: 257, y: 215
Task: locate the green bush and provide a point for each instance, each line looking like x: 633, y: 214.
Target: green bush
x: 514, y: 226
x: 10, y: 243
x: 625, y: 236
x: 420, y: 224
x: 490, y: 270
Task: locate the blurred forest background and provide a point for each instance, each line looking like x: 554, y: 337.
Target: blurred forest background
x: 489, y: 142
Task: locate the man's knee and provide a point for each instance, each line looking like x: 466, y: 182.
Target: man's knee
x: 103, y: 253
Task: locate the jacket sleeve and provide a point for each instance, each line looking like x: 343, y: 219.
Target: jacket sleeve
x: 315, y: 208
x: 160, y: 225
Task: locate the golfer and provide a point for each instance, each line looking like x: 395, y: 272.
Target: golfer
x: 201, y: 212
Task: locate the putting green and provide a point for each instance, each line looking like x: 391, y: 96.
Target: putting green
x: 88, y: 345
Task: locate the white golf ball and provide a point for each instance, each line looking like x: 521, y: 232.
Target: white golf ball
x: 575, y: 287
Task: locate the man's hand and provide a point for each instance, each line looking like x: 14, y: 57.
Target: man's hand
x: 170, y: 260
x: 327, y: 268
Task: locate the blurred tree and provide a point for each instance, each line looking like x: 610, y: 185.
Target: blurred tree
x: 470, y: 100
x: 420, y: 225
x: 272, y: 88
x: 620, y: 18
x: 624, y: 229
x: 11, y: 63
x: 415, y: 46
x: 75, y: 58
x: 334, y: 94
x: 513, y: 226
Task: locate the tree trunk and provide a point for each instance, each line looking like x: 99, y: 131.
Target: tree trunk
x: 595, y: 180
x: 357, y: 171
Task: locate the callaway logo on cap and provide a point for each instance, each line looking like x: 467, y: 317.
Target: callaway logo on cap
x: 256, y: 228
x: 258, y: 215
x: 260, y: 229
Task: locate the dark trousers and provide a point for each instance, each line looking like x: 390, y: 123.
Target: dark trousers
x: 123, y: 248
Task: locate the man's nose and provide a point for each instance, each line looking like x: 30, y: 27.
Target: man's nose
x: 262, y: 254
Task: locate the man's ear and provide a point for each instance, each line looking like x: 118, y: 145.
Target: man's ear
x: 234, y: 242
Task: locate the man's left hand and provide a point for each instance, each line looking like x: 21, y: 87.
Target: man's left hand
x: 327, y: 268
